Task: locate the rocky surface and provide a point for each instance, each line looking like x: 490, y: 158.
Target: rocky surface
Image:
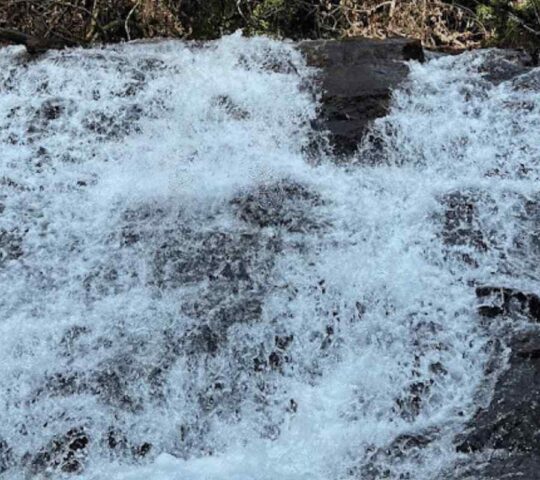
x: 357, y: 79
x: 225, y: 275
x: 504, y: 438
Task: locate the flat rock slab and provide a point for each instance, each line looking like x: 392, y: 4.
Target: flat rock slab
x: 358, y: 76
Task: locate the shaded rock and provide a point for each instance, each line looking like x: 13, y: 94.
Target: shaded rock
x: 10, y: 245
x: 142, y: 450
x: 461, y: 225
x: 65, y: 453
x: 63, y: 384
x: 115, y: 382
x: 504, y: 65
x: 405, y: 446
x: 503, y: 440
x: 283, y: 204
x: 228, y: 270
x: 507, y: 301
x: 114, y: 127
x: 197, y: 256
x: 227, y: 105
x: 528, y: 81
x: 6, y: 456
x: 498, y: 466
x: 357, y: 78
x: 410, y: 404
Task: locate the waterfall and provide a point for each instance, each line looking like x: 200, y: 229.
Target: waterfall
x: 189, y: 291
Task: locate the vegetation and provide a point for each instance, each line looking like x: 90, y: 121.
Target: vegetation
x: 446, y: 24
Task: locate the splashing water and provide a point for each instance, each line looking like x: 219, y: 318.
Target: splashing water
x: 185, y: 296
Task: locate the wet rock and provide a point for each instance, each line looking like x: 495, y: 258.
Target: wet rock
x: 115, y: 382
x: 65, y: 453
x: 52, y: 109
x: 197, y: 256
x: 229, y: 273
x: 114, y: 127
x: 284, y: 204
x: 203, y: 339
x: 6, y: 456
x: 504, y: 65
x: 227, y: 105
x: 405, y: 446
x: 410, y: 404
x: 503, y: 439
x: 528, y: 81
x: 507, y: 301
x: 142, y: 450
x: 72, y: 337
x: 510, y: 425
x: 64, y: 384
x: 116, y: 441
x: 461, y: 226
x: 10, y: 245
x: 357, y: 79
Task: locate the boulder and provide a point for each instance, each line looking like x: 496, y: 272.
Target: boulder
x: 503, y: 439
x: 357, y: 78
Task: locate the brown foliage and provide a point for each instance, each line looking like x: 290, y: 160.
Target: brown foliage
x: 443, y: 24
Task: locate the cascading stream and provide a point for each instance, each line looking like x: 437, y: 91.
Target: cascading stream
x: 186, y: 294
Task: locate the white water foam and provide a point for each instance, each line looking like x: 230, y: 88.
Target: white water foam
x: 140, y: 295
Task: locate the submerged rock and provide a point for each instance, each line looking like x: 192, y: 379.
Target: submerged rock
x: 357, y: 78
x: 64, y: 453
x: 508, y: 301
x: 10, y: 245
x: 503, y: 65
x: 6, y: 456
x: 284, y: 204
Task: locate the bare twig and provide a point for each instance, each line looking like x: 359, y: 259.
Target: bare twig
x: 126, y: 24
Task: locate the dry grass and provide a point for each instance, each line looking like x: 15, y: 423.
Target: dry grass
x: 437, y: 24
x: 441, y: 24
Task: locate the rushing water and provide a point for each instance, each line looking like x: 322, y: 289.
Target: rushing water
x: 185, y: 293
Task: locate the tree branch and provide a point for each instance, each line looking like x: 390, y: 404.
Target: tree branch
x: 33, y: 44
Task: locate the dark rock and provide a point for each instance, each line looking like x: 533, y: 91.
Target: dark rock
x: 283, y: 342
x: 497, y: 466
x: 507, y: 301
x: 51, y: 110
x: 503, y: 65
x: 357, y: 78
x: 284, y: 204
x: 10, y: 245
x: 142, y: 450
x: 116, y: 440
x: 216, y: 256
x: 65, y: 453
x: 510, y: 425
x: 113, y: 383
x: 64, y: 384
x: 461, y: 226
x: 72, y: 337
x: 528, y: 81
x: 6, y: 456
x: 228, y: 106
x: 114, y: 127
x: 203, y: 339
x: 410, y: 404
x: 405, y: 446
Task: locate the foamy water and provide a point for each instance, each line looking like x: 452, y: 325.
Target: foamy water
x: 186, y: 290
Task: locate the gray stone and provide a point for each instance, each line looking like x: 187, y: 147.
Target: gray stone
x: 357, y: 78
